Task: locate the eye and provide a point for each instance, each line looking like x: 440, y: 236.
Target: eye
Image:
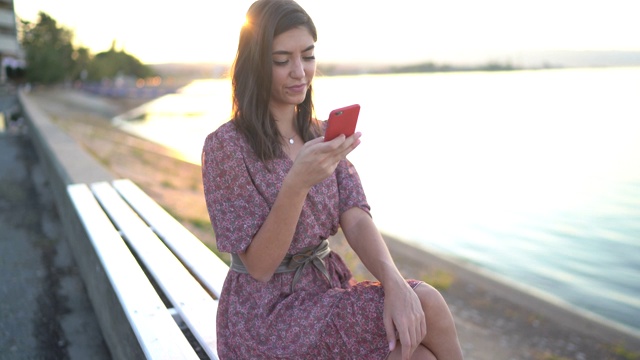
x: 280, y: 62
x: 309, y: 58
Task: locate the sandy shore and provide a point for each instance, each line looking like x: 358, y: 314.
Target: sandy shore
x: 495, y: 319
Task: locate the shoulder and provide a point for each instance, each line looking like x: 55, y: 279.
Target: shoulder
x: 227, y: 135
x: 226, y: 141
x: 223, y: 146
x: 225, y: 131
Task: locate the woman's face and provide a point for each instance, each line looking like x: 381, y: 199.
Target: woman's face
x: 293, y: 66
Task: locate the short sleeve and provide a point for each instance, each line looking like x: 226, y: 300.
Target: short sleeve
x: 350, y: 188
x: 235, y: 207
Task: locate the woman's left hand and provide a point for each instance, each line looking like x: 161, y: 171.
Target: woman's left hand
x: 404, y: 318
x: 318, y: 159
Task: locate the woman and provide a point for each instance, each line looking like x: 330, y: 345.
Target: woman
x: 275, y: 192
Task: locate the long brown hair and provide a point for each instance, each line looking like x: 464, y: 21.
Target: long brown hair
x: 252, y: 76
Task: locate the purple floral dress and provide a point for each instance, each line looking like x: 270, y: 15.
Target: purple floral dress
x: 318, y: 320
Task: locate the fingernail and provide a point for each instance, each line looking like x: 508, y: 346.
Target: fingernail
x: 391, y: 345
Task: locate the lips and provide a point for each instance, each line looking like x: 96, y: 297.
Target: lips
x: 297, y: 88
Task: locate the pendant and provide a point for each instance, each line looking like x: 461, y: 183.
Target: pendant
x: 291, y: 140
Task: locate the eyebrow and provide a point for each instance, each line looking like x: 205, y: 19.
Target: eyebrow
x: 284, y: 52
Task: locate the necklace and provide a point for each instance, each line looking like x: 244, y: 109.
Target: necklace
x: 291, y: 140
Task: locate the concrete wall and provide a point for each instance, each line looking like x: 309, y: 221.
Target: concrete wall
x: 65, y: 163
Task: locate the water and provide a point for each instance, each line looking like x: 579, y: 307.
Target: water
x: 533, y: 175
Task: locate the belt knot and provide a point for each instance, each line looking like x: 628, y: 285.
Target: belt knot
x: 295, y: 263
x: 310, y: 255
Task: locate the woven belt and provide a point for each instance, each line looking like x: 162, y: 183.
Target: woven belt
x: 297, y: 262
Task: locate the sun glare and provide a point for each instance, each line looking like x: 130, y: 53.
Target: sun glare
x: 199, y: 31
x: 194, y: 32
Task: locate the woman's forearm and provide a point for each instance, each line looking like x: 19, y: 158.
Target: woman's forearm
x: 272, y: 241
x: 367, y: 242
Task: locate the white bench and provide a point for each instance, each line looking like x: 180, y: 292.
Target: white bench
x: 185, y: 271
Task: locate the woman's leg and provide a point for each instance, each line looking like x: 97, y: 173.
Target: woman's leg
x: 421, y: 353
x: 442, y: 337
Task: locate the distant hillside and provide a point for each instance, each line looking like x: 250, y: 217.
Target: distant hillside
x: 191, y: 71
x: 578, y: 59
x: 523, y: 60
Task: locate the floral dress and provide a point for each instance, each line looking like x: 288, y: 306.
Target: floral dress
x: 340, y: 319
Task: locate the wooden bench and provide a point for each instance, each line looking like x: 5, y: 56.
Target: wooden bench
x: 140, y: 245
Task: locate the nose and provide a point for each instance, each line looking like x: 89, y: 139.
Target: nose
x: 297, y: 69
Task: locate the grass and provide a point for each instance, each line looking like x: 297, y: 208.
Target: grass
x: 622, y: 351
x: 167, y: 184
x: 619, y: 350
x: 203, y: 224
x: 548, y: 356
x: 140, y: 154
x: 440, y: 280
x: 196, y: 186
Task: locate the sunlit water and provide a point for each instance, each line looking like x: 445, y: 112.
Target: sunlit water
x: 534, y: 175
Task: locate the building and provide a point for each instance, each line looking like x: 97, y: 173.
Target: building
x: 11, y: 56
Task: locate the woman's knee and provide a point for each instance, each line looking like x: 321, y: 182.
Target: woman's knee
x: 430, y: 298
x: 421, y: 353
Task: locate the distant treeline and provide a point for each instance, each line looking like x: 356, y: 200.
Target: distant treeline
x: 531, y: 60
x: 433, y: 67
x: 210, y: 70
x: 426, y: 67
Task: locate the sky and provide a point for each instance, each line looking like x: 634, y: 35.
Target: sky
x: 352, y: 31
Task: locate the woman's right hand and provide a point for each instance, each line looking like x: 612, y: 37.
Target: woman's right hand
x: 318, y: 159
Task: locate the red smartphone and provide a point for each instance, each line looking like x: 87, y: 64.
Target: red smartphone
x: 342, y: 121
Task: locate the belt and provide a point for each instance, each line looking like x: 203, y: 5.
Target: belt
x: 297, y: 262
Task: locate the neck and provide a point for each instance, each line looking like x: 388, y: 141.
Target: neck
x: 285, y: 119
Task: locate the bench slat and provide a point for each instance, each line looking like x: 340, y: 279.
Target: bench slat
x: 195, y: 306
x: 199, y: 259
x: 155, y: 329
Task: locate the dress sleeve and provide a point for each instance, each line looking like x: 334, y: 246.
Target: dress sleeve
x: 350, y: 189
x: 235, y: 207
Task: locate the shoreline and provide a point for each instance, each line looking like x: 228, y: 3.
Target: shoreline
x: 526, y: 296
x: 496, y: 319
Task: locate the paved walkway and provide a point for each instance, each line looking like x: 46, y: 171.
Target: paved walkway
x: 44, y: 309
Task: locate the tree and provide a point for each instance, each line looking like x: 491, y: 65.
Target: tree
x: 48, y: 49
x: 113, y: 63
x: 51, y: 57
x: 82, y: 59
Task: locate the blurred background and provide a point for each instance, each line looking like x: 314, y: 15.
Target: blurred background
x: 500, y: 133
x: 462, y: 32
